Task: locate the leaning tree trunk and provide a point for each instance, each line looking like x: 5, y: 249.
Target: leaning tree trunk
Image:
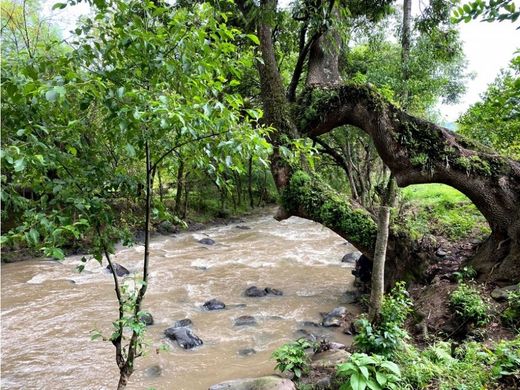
x: 415, y: 151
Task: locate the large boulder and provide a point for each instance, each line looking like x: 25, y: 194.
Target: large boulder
x: 119, y: 269
x: 184, y: 337
x: 166, y: 227
x: 351, y: 257
x: 335, y: 317
x: 263, y: 383
x: 214, y: 304
x: 501, y: 294
x: 330, y: 358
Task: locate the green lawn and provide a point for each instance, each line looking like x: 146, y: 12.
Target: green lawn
x: 441, y: 210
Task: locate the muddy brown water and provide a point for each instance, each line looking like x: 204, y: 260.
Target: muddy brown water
x: 48, y: 309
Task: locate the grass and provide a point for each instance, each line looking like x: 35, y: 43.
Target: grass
x: 439, y: 209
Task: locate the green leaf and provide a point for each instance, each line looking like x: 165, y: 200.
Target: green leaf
x: 19, y: 165
x: 253, y: 38
x: 373, y: 385
x: 381, y: 378
x: 392, y: 367
x: 130, y: 150
x: 59, y: 6
x: 357, y: 382
x: 51, y: 95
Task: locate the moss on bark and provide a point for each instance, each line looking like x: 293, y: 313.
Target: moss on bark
x: 309, y: 197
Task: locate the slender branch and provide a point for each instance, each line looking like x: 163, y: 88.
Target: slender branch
x: 174, y: 148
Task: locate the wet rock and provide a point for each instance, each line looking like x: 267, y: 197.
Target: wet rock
x: 254, y: 291
x: 242, y: 227
x: 214, y: 304
x: 245, y: 321
x: 201, y: 268
x: 263, y: 383
x: 362, y: 272
x: 441, y: 252
x: 351, y: 257
x: 119, y: 269
x: 246, y: 352
x: 166, y: 227
x: 146, y: 318
x: 207, y: 241
x: 182, y: 323
x: 501, y: 294
x: 351, y: 297
x: 309, y: 336
x: 184, y: 337
x: 273, y: 291
x: 330, y: 358
x: 335, y: 317
x: 154, y: 371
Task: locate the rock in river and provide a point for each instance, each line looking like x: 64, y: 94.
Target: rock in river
x: 182, y: 323
x: 254, y: 291
x: 245, y: 320
x: 184, y: 337
x: 351, y: 257
x: 263, y: 383
x: 214, y: 304
x: 119, y: 269
x: 207, y: 241
x: 146, y: 318
x: 335, y: 317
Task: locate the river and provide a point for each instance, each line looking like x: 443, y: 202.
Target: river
x: 49, y: 309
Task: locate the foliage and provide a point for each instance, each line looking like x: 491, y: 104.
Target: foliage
x: 495, y: 120
x: 468, y: 304
x: 471, y: 366
x: 511, y: 314
x: 490, y: 11
x: 386, y: 335
x: 291, y: 357
x: 466, y: 273
x: 363, y: 371
x: 440, y: 210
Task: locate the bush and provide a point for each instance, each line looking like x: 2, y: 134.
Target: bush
x: 362, y: 371
x: 291, y: 357
x: 511, y: 314
x: 468, y: 305
x: 385, y: 336
x: 472, y: 366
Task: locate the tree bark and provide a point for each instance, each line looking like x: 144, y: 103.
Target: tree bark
x: 414, y: 150
x: 405, y: 50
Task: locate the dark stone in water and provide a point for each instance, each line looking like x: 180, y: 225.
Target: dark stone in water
x: 242, y: 227
x: 254, y: 291
x: 182, y: 323
x: 273, y: 291
x: 166, y: 227
x: 335, y: 317
x: 303, y: 333
x: 362, y: 272
x: 146, y: 318
x: 154, y: 371
x: 214, y: 304
x: 119, y: 269
x: 184, y: 337
x: 246, y: 352
x: 207, y: 241
x: 245, y: 321
x: 351, y: 257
